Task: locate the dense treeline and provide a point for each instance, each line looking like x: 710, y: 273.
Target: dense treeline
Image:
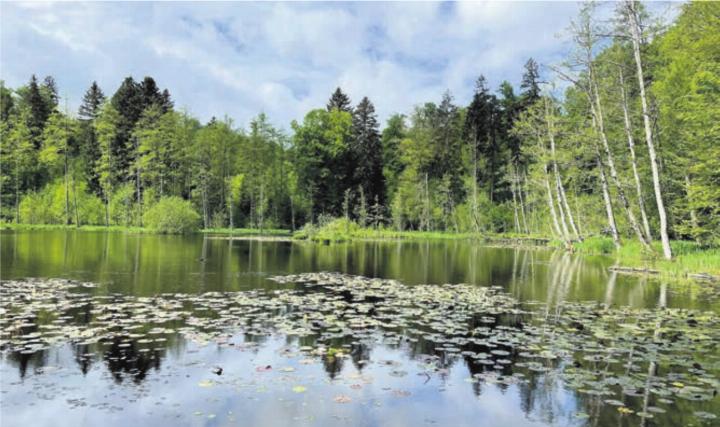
x: 630, y: 148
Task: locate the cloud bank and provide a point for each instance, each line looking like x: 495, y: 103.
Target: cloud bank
x: 283, y: 59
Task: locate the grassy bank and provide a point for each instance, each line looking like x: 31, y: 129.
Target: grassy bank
x: 123, y: 229
x: 248, y: 231
x: 689, y: 257
x: 111, y: 228
x: 341, y: 230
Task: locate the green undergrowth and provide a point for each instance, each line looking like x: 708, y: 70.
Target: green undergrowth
x: 343, y: 230
x: 248, y: 231
x: 123, y: 229
x: 688, y: 257
x: 112, y: 228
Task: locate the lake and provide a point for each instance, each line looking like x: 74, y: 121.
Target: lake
x: 205, y: 330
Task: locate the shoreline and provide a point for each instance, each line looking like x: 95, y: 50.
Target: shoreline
x: 692, y: 262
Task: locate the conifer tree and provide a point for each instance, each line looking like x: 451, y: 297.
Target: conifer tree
x: 340, y: 101
x: 92, y: 101
x: 367, y: 151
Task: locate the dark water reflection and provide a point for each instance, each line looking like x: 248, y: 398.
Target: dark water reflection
x: 126, y: 381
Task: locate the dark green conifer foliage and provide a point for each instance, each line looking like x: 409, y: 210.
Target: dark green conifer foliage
x: 87, y: 140
x: 6, y: 102
x: 340, y: 101
x: 367, y: 151
x: 128, y: 100
x: 530, y: 85
x: 49, y: 91
x: 39, y: 111
x: 92, y: 100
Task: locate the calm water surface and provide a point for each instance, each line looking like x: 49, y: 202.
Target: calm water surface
x: 68, y: 385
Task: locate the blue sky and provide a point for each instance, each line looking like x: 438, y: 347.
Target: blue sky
x: 283, y: 59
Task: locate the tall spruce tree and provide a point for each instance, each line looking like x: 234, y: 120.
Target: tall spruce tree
x: 128, y: 101
x: 367, y: 151
x: 7, y: 103
x: 151, y: 94
x: 530, y: 85
x: 87, y: 141
x: 49, y: 91
x: 446, y: 137
x: 92, y: 101
x: 483, y: 126
x: 166, y: 102
x: 340, y: 101
x: 39, y: 111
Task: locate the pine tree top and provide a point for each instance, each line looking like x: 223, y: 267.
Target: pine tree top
x: 340, y: 101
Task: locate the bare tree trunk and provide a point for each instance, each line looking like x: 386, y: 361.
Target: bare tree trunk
x: 261, y: 208
x: 17, y: 192
x: 292, y: 213
x: 204, y: 202
x: 607, y: 199
x: 516, y: 216
x: 475, y: 217
x: 634, y: 21
x: 139, y: 195
x: 596, y: 109
x: 566, y: 205
x: 426, y: 212
x: 561, y: 212
x: 562, y: 200
x: 551, y: 205
x: 693, y: 214
x: 633, y: 159
x: 77, y: 216
x: 68, y: 216
x: 107, y: 211
x: 522, y: 205
x: 230, y: 212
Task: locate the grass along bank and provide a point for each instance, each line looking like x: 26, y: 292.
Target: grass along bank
x: 343, y: 230
x: 125, y: 229
x: 690, y: 258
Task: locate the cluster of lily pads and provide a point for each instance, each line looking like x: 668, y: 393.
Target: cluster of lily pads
x: 607, y: 353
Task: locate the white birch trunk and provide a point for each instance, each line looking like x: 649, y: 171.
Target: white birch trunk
x: 634, y: 21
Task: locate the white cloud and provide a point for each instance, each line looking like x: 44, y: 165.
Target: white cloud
x: 280, y: 58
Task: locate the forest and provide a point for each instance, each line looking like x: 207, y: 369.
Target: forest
x: 620, y: 139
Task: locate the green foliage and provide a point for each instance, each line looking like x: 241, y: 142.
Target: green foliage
x: 121, y: 206
x: 48, y: 205
x: 172, y: 215
x: 335, y: 230
x: 487, y: 167
x: 688, y: 83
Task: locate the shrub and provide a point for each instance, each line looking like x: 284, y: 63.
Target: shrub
x: 36, y: 208
x: 597, y: 245
x: 47, y: 206
x: 122, y: 205
x: 335, y: 230
x: 172, y: 215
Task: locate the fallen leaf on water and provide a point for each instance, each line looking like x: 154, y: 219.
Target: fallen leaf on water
x: 299, y: 389
x: 342, y: 399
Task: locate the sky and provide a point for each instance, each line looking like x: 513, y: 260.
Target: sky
x: 283, y: 59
